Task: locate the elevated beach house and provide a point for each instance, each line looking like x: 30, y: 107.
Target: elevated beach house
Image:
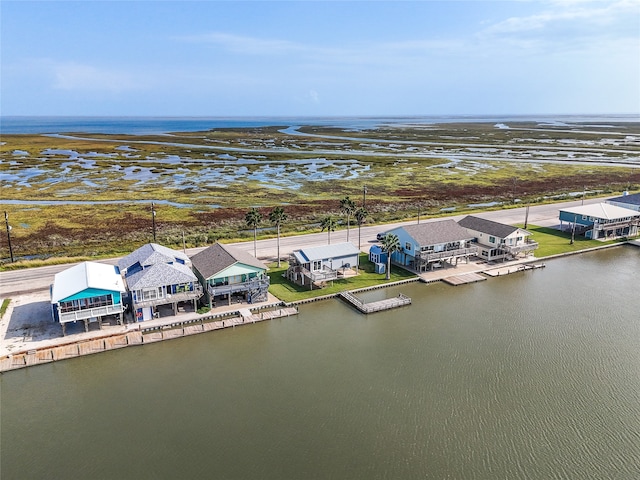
x: 631, y: 202
x: 228, y: 272
x: 87, y: 292
x: 600, y: 221
x: 156, y: 275
x: 497, y: 241
x: 315, y: 266
x: 426, y: 246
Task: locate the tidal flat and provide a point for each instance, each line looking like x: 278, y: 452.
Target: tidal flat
x: 94, y: 190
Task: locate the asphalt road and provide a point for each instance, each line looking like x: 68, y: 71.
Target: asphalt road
x: 18, y: 282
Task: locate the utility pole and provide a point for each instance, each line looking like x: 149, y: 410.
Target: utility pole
x: 364, y: 196
x: 6, y: 220
x: 526, y: 217
x: 584, y: 192
x: 573, y: 229
x: 153, y: 220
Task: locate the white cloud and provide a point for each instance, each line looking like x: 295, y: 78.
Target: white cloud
x: 76, y: 76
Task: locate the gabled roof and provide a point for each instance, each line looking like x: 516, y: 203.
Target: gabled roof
x: 603, y: 211
x: 217, y: 257
x: 86, y: 275
x: 151, y: 254
x: 436, y: 233
x: 489, y: 227
x: 160, y: 274
x: 633, y: 199
x: 310, y: 254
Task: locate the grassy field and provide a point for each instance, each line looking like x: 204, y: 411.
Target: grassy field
x: 554, y: 242
x: 203, y: 190
x: 289, y: 292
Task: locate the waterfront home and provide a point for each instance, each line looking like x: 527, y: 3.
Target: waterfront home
x: 426, y: 246
x: 600, y: 221
x: 87, y: 292
x: 156, y: 275
x: 631, y: 202
x: 497, y: 241
x: 227, y: 273
x: 315, y: 266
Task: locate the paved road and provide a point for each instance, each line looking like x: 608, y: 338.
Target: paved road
x: 29, y: 280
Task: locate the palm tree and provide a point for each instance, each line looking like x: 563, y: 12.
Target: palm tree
x: 361, y: 215
x: 348, y: 207
x: 253, y: 219
x: 390, y: 244
x: 329, y: 224
x: 277, y: 217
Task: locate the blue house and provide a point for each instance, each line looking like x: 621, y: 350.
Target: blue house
x: 156, y: 275
x: 426, y: 246
x: 631, y: 202
x: 600, y: 221
x: 378, y: 257
x: 315, y: 266
x: 87, y: 292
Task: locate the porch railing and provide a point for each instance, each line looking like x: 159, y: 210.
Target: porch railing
x: 257, y: 284
x: 90, y: 313
x: 171, y: 298
x: 459, y: 252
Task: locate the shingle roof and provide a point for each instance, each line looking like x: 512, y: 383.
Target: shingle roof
x: 435, y: 233
x: 83, y: 276
x: 151, y: 254
x: 603, y: 211
x: 217, y: 257
x: 160, y: 274
x: 489, y: 227
x: 633, y: 199
x: 337, y: 250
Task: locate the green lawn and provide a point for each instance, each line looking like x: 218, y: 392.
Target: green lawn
x: 289, y: 292
x: 553, y: 242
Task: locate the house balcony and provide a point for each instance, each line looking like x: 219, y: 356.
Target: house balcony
x: 616, y: 225
x: 171, y: 298
x: 517, y: 249
x: 91, y: 313
x: 447, y: 254
x: 259, y: 284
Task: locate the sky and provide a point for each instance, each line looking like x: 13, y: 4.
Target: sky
x: 319, y: 58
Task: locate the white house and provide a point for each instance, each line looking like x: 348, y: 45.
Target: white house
x: 314, y: 266
x: 497, y: 241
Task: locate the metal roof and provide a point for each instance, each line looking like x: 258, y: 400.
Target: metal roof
x: 603, y: 211
x: 83, y: 276
x: 310, y: 254
x: 217, y: 257
x: 633, y: 199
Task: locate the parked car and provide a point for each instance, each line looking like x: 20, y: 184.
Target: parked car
x: 381, y: 236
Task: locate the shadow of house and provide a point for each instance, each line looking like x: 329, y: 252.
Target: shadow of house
x: 157, y: 275
x: 228, y: 273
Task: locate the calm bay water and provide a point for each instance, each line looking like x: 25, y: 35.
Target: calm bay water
x: 531, y: 376
x: 159, y: 125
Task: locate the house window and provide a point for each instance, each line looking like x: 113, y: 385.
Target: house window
x: 317, y: 265
x: 407, y: 246
x: 150, y: 294
x: 492, y: 239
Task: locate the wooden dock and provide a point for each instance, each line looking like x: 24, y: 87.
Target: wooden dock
x: 464, y: 278
x: 496, y: 272
x: 371, y: 307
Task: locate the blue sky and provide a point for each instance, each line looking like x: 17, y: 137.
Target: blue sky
x: 267, y: 58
